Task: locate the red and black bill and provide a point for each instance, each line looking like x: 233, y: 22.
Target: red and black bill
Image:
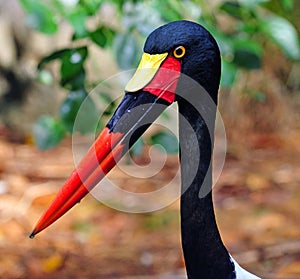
x: 148, y: 93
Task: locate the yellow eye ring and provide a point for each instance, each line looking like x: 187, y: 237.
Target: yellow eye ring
x: 179, y: 52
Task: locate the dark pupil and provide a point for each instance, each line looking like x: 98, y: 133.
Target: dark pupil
x: 179, y: 51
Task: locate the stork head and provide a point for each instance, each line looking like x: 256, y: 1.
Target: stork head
x: 171, y: 52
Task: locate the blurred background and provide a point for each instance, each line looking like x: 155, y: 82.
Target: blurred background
x: 53, y: 53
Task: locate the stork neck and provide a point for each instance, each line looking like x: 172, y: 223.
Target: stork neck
x: 204, y: 253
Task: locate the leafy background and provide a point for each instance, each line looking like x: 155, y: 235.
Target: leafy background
x: 244, y: 30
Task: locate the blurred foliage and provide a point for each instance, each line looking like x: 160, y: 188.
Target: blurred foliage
x: 160, y: 221
x: 48, y: 132
x: 250, y: 25
x: 167, y: 141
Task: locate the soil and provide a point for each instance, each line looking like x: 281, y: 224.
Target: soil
x: 257, y: 205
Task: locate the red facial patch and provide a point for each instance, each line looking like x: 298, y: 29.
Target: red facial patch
x: 165, y: 81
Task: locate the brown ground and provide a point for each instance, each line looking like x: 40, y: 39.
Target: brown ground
x: 257, y: 204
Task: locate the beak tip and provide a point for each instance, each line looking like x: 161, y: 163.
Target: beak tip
x: 32, y: 235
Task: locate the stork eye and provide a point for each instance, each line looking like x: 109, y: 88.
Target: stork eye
x: 179, y: 52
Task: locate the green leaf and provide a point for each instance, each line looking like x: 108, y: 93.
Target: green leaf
x: 252, y: 3
x: 234, y: 9
x: 74, y: 82
x: 87, y: 119
x: 69, y: 109
x: 74, y: 56
x: 167, y: 140
x: 126, y: 51
x: 72, y: 62
x: 59, y: 54
x: 77, y: 20
x: 103, y: 36
x: 40, y: 16
x: 48, y: 132
x: 249, y: 27
x: 287, y: 5
x: 247, y: 59
x: 247, y: 54
x: 118, y: 4
x: 229, y: 71
x: 72, y: 70
x: 170, y: 10
x: 91, y: 7
x: 70, y: 106
x: 137, y: 148
x: 243, y: 9
x: 284, y: 34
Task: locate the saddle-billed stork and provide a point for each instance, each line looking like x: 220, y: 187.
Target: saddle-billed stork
x: 181, y: 63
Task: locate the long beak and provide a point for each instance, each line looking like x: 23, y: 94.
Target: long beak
x: 148, y: 93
